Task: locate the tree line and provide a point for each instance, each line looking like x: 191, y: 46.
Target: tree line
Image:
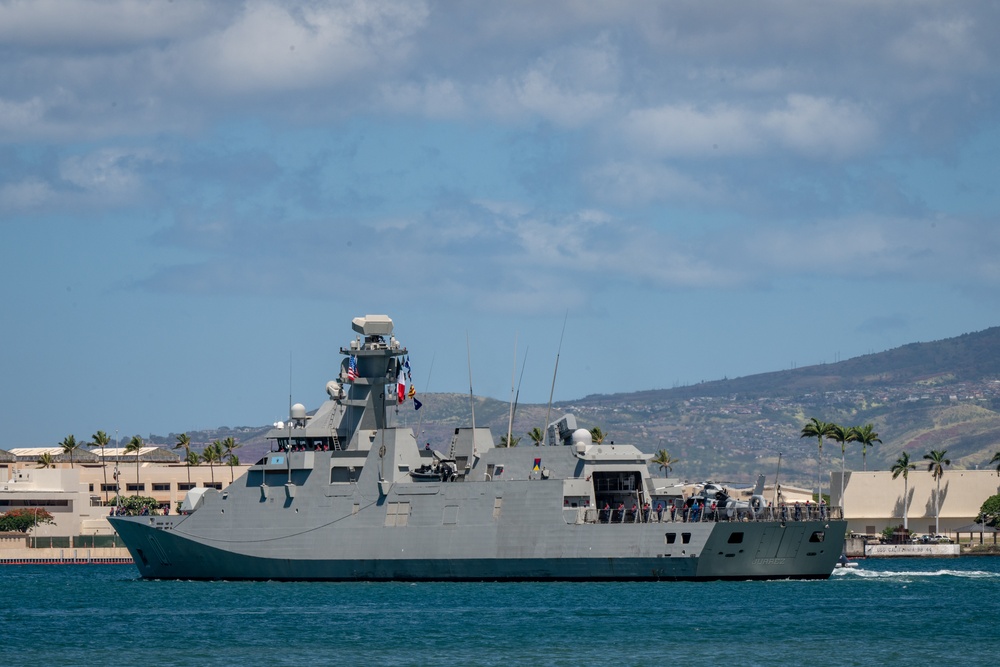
x: 867, y: 437
x: 218, y: 452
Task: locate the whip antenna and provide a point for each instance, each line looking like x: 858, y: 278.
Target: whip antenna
x: 548, y: 413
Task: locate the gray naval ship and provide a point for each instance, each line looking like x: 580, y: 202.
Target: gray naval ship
x: 342, y: 495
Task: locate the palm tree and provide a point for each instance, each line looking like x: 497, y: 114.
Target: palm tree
x: 902, y: 466
x: 843, y: 435
x: 192, y: 460
x: 46, y: 461
x: 101, y: 439
x: 70, y: 445
x: 232, y: 461
x: 135, y: 445
x: 229, y: 447
x: 598, y: 435
x: 664, y: 460
x: 509, y: 443
x: 935, y: 466
x: 867, y: 436
x: 212, y: 455
x: 815, y: 428
x: 996, y: 459
x: 536, y: 436
x: 184, y: 441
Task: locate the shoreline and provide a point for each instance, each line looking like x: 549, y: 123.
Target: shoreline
x: 60, y: 556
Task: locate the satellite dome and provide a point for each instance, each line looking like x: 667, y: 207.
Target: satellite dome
x: 582, y: 436
x: 298, y: 411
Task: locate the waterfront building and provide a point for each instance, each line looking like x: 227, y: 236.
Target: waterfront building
x: 76, y: 497
x: 873, y: 500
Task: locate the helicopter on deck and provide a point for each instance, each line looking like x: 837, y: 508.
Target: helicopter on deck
x: 708, y: 493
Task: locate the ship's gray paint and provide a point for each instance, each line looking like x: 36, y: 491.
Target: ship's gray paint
x: 356, y: 512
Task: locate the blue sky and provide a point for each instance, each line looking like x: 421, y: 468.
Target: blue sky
x: 196, y: 198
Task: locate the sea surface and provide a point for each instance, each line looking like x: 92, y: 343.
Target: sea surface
x: 887, y: 611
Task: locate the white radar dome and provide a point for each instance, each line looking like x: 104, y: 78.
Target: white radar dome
x: 582, y: 436
x: 298, y: 411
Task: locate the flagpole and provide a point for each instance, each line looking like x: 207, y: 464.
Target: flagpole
x: 420, y: 417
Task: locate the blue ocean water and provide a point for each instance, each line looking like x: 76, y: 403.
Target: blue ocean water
x: 914, y: 611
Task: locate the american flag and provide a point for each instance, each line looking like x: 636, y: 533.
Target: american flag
x: 352, y: 369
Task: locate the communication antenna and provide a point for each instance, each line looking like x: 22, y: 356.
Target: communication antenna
x: 513, y: 409
x: 472, y: 401
x: 776, y: 480
x: 513, y: 371
x: 548, y: 413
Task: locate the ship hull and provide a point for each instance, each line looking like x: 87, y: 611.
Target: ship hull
x: 766, y: 551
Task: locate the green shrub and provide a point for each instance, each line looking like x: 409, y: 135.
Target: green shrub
x: 23, y: 519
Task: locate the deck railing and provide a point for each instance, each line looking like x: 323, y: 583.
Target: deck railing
x: 780, y: 514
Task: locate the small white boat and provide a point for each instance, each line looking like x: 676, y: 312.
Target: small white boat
x: 843, y: 562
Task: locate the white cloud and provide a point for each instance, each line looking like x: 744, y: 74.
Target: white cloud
x: 636, y: 183
x: 103, y: 25
x: 685, y: 80
x: 109, y: 172
x: 437, y: 99
x: 570, y: 86
x: 942, y: 44
x: 276, y: 47
x: 102, y: 179
x: 539, y: 95
x: 805, y: 125
x: 25, y: 195
x: 683, y: 130
x: 950, y: 250
x: 820, y: 127
x: 19, y: 119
